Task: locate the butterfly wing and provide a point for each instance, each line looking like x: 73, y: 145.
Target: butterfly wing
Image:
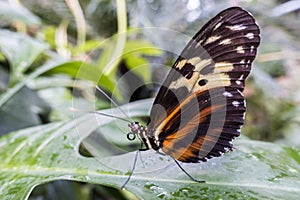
x: 200, y: 107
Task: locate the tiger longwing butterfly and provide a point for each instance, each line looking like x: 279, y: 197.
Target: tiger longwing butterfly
x: 200, y: 107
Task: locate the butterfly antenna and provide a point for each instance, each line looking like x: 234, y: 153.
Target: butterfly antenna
x: 191, y: 177
x: 133, y: 167
x: 99, y: 113
x: 113, y: 102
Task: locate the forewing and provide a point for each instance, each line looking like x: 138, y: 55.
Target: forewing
x: 218, y: 58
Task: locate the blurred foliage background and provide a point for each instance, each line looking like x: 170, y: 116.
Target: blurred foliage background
x: 44, y: 44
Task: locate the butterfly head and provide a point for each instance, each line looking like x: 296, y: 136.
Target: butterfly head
x: 135, y: 130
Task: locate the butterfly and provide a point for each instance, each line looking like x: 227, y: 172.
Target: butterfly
x: 200, y: 107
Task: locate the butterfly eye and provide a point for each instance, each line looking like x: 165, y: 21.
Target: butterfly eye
x: 131, y: 136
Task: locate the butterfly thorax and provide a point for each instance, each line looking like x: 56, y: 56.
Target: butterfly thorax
x: 136, y: 129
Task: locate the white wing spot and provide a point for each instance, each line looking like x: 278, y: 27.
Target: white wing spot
x: 251, y: 48
x: 248, y: 63
x: 236, y: 104
x: 218, y: 25
x: 237, y: 27
x: 238, y: 82
x: 241, y: 77
x: 242, y: 61
x: 224, y: 42
x: 250, y: 36
x: 199, y: 44
x: 244, y: 115
x: 226, y: 149
x: 227, y: 94
x: 212, y: 39
x: 240, y: 49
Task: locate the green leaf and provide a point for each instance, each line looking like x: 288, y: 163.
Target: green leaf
x: 28, y: 102
x: 84, y: 71
x: 8, y: 94
x: 139, y: 66
x: 142, y: 47
x: 20, y: 50
x: 12, y: 12
x: 89, y: 45
x: 134, y: 53
x: 255, y: 170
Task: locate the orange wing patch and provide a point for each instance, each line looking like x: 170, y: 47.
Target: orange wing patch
x: 205, y: 134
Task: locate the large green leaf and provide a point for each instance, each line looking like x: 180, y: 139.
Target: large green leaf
x: 21, y: 50
x: 255, y: 170
x: 9, y: 93
x: 84, y: 71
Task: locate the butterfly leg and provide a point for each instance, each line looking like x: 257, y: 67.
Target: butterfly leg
x: 134, y: 163
x: 191, y: 177
x: 133, y: 167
